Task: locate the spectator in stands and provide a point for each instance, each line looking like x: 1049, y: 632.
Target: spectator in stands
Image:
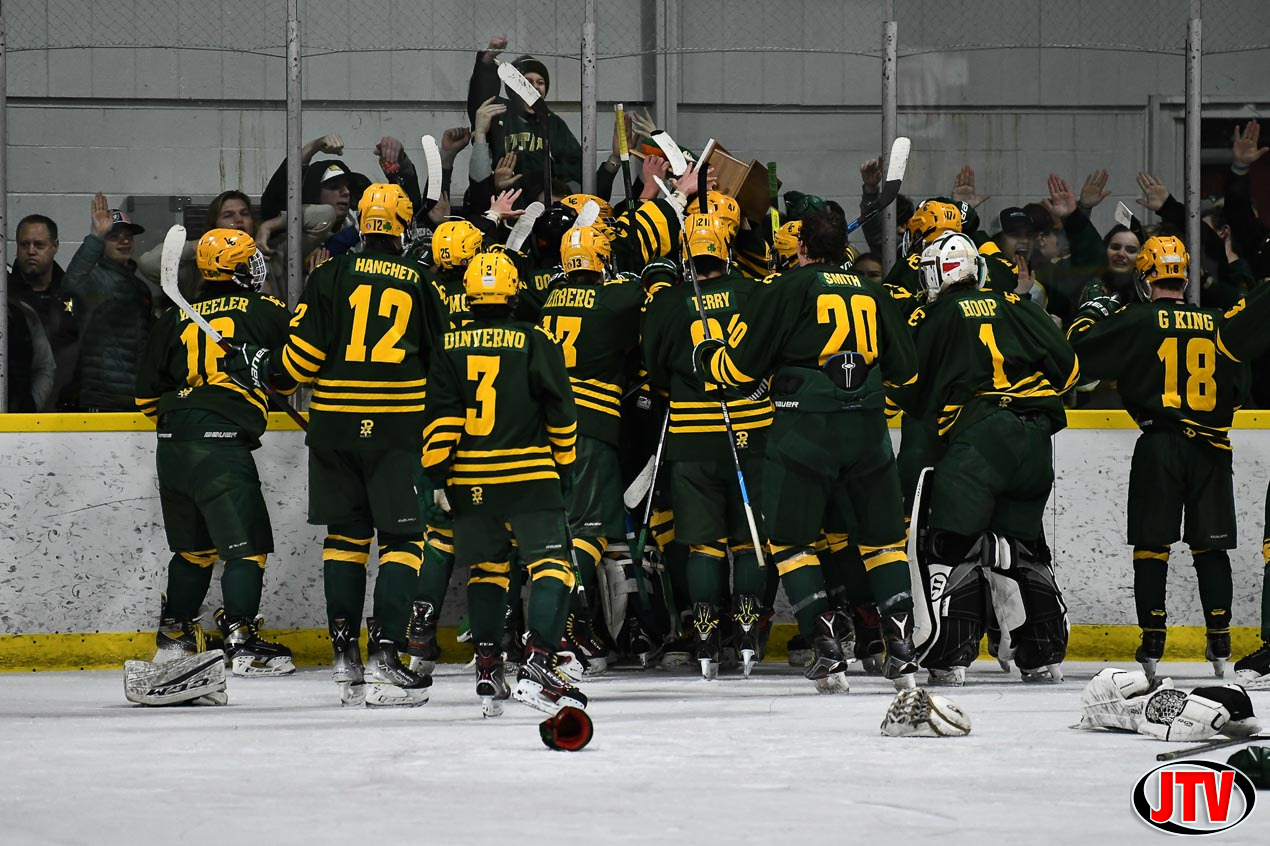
x: 113, y: 306
x: 869, y: 266
x: 36, y: 280
x: 32, y: 369
x: 518, y: 130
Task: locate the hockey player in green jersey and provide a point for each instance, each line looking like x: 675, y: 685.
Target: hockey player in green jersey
x: 835, y: 342
x: 994, y: 368
x: 1181, y: 373
x: 208, y: 425
x: 499, y: 446
x: 594, y: 316
x: 704, y: 485
x: 361, y: 336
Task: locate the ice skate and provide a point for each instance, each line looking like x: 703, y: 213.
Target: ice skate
x: 746, y: 619
x: 828, y: 668
x: 901, y: 656
x: 421, y: 638
x: 388, y: 683
x: 637, y: 642
x: 249, y: 654
x: 705, y: 639
x: 1253, y: 670
x: 579, y: 639
x: 1049, y: 674
x: 1218, y: 650
x: 1151, y: 650
x: 541, y: 686
x: 348, y: 672
x: 799, y: 651
x: 178, y: 639
x: 512, y: 643
x: 869, y: 648
x: 491, y: 679
x: 677, y: 652
x: 949, y: 677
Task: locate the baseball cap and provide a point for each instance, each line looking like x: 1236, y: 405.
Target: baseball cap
x: 121, y: 220
x: 1015, y: 221
x: 334, y: 170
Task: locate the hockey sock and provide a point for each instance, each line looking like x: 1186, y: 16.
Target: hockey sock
x: 1216, y: 589
x: 1150, y: 575
x: 748, y: 578
x: 889, y: 580
x: 844, y: 571
x: 189, y: 575
x: 705, y: 562
x: 437, y: 567
x: 549, y: 597
x: 241, y: 584
x: 587, y: 553
x: 487, y: 589
x: 804, y: 582
x: 397, y: 583
x: 345, y: 552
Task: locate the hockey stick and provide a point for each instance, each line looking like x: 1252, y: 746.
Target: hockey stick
x: 896, y: 164
x: 624, y: 153
x: 673, y: 154
x: 723, y: 403
x: 170, y: 263
x: 773, y: 186
x: 588, y: 216
x: 1201, y: 748
x: 524, y: 225
x: 432, y: 156
x: 637, y: 551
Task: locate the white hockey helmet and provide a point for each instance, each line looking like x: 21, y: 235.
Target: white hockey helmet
x: 951, y: 259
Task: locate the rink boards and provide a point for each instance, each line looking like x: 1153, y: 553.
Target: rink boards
x: 84, y: 554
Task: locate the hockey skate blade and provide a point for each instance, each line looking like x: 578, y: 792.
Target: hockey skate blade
x: 422, y: 666
x: 907, y: 681
x: 1050, y: 674
x: 954, y: 677
x: 529, y: 692
x: 748, y: 660
x: 833, y: 683
x: 1219, y: 668
x: 1252, y: 680
x: 1004, y: 665
x: 246, y: 667
x: 491, y: 707
x: 352, y: 693
x: 709, y: 669
x: 395, y: 696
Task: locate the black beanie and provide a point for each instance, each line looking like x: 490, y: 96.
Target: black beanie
x: 528, y: 64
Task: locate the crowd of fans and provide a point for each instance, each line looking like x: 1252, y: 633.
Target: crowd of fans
x: 75, y: 336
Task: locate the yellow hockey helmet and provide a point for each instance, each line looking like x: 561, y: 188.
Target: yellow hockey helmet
x: 454, y: 243
x: 490, y: 279
x: 384, y: 209
x: 929, y: 220
x: 706, y: 235
x: 585, y: 248
x: 1161, y: 257
x: 785, y: 243
x: 721, y: 205
x: 230, y: 254
x: 577, y: 201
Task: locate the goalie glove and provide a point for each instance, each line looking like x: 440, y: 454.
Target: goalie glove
x: 918, y: 713
x: 1206, y: 712
x: 249, y: 366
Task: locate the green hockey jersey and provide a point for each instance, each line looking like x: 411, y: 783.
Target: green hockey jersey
x: 596, y: 326
x: 978, y: 350
x: 361, y: 336
x: 1175, y: 364
x: 501, y: 417
x: 181, y: 369
x: 671, y: 328
x: 446, y: 297
x: 798, y: 320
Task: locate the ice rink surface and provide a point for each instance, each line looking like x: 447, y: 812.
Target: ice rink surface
x: 674, y: 759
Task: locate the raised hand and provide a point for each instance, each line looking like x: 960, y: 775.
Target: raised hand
x: 1062, y: 201
x: 1094, y: 191
x: 640, y: 124
x: 388, y: 149
x: 453, y: 140
x: 441, y: 210
x: 102, y: 219
x: 1244, y: 151
x: 485, y: 115
x: 964, y: 188
x: 1154, y: 194
x: 497, y: 44
x: 505, y: 175
x: 503, y: 203
x: 871, y: 175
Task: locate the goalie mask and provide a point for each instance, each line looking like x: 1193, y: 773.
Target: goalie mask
x: 722, y: 206
x: 706, y: 236
x: 1161, y: 257
x: 930, y: 220
x: 455, y: 243
x: 384, y: 209
x: 951, y: 260
x: 577, y: 201
x: 586, y: 248
x: 785, y: 242
x: 230, y: 254
x: 490, y: 279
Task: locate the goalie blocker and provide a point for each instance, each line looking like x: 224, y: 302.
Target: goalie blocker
x: 195, y: 680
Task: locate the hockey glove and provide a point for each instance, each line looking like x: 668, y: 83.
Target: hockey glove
x: 568, y: 731
x: 705, y: 350
x: 437, y: 512
x: 249, y: 366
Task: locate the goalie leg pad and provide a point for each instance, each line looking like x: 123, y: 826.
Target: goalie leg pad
x: 1040, y: 638
x: 197, y: 680
x: 954, y: 596
x: 1116, y: 699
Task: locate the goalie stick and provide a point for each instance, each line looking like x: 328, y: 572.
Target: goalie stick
x: 637, y: 551
x: 896, y: 164
x: 432, y: 157
x: 691, y: 272
x: 173, y: 244
x: 1201, y: 748
x: 624, y: 153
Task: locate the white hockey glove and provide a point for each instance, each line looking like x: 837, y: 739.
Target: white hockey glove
x: 918, y: 713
